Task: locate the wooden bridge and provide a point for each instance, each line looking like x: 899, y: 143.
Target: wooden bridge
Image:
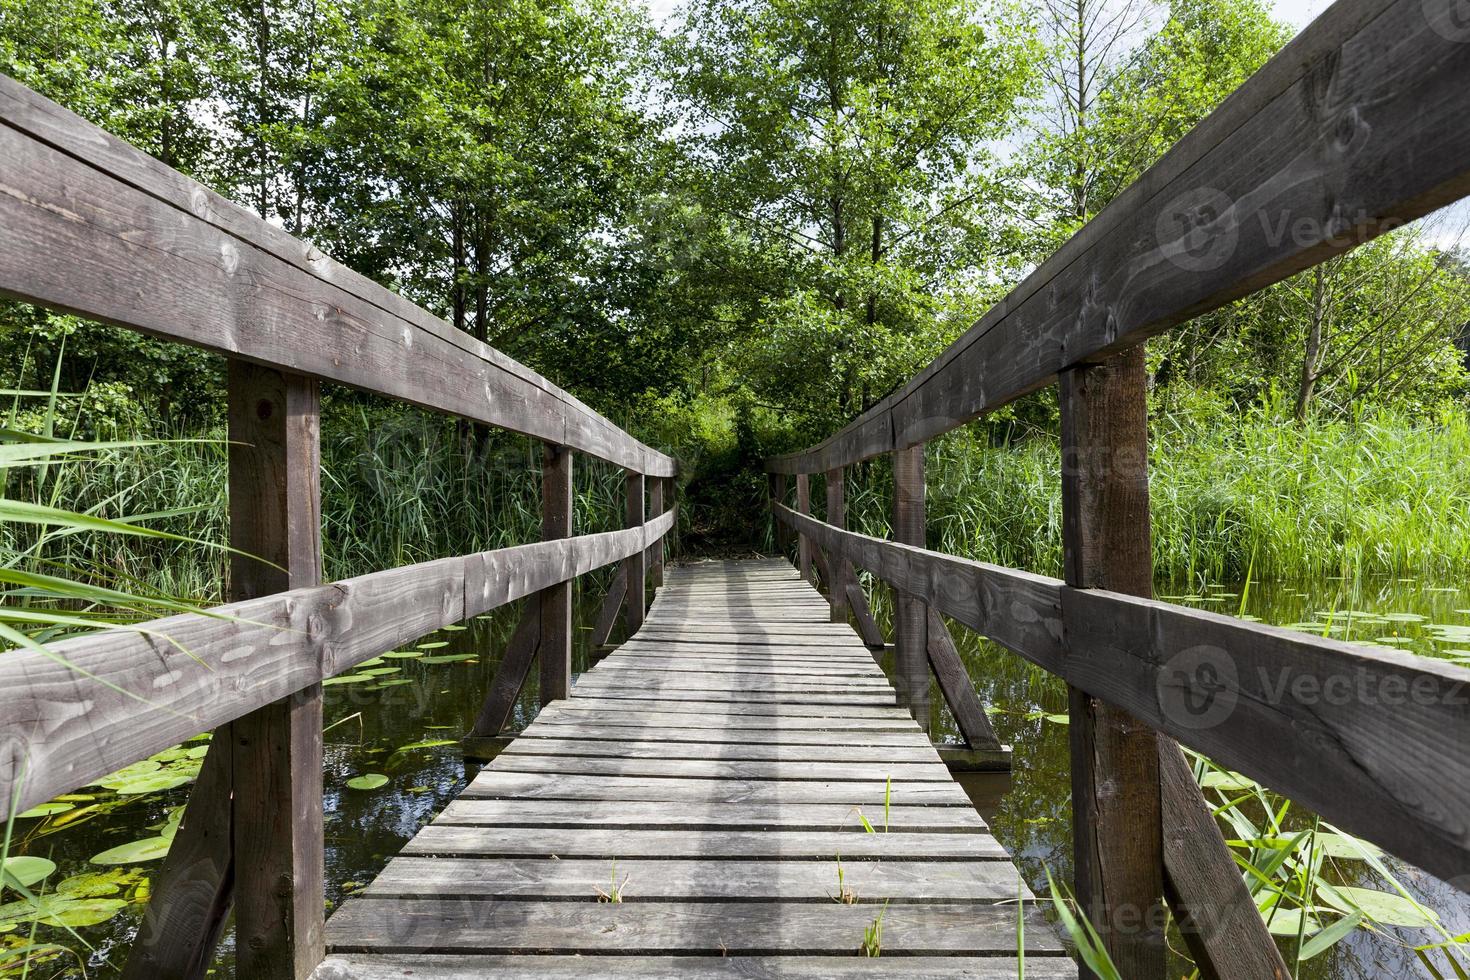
x: 721, y: 756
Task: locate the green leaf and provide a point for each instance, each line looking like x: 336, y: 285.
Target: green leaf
x: 1331, y: 936
x: 1384, y: 908
x: 137, y: 852
x: 368, y: 781
x: 27, y: 870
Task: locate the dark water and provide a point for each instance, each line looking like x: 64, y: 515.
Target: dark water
x: 372, y: 725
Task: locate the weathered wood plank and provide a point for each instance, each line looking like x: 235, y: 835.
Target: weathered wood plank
x: 635, y: 599
x: 721, y: 768
x: 1371, y: 739
x: 661, y: 749
x: 1216, y: 914
x: 678, y: 879
x: 840, y: 572
x: 803, y: 543
x: 703, y: 928
x: 845, y: 967
x: 708, y: 845
x: 554, y: 605
x: 1018, y: 610
x: 1116, y: 809
x: 612, y: 607
x: 148, y: 692
x: 629, y: 814
x: 910, y: 630
x: 855, y: 735
x: 94, y: 226
x: 959, y: 691
x: 1281, y: 176
x: 510, y: 677
x: 868, y: 794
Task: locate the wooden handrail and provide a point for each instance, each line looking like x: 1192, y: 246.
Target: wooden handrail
x: 102, y: 701
x: 1279, y: 705
x: 1350, y: 131
x: 94, y: 226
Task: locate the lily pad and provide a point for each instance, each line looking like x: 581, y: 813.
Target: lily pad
x: 58, y: 911
x: 453, y: 628
x: 375, y: 662
x: 45, y: 810
x: 137, y: 852
x: 347, y: 679
x: 1346, y: 848
x: 368, y: 781
x: 433, y: 645
x: 27, y: 870
x: 381, y: 671
x: 451, y: 658
x: 404, y: 655
x: 156, y: 782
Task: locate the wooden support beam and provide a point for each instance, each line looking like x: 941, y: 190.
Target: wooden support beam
x: 657, y: 492
x: 838, y: 571
x: 778, y: 482
x: 275, y: 515
x: 635, y: 603
x: 259, y: 793
x: 803, y: 543
x: 612, y: 605
x: 1217, y: 916
x: 192, y: 892
x: 1116, y: 808
x: 959, y: 692
x: 555, y: 603
x: 867, y: 626
x: 515, y: 667
x: 911, y: 661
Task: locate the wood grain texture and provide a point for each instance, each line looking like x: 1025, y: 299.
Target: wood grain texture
x: 635, y: 599
x: 555, y: 603
x: 1116, y: 808
x: 1335, y: 140
x: 803, y: 543
x: 694, y: 928
x: 1018, y: 610
x: 630, y: 814
x: 275, y: 522
x: 737, y: 769
x: 839, y: 571
x: 709, y: 845
x: 94, y: 226
x: 1216, y: 914
x: 846, y: 967
x: 910, y: 617
x: 867, y: 793
x: 510, y: 677
x: 959, y: 691
x: 148, y: 692
x: 612, y: 608
x: 682, y: 879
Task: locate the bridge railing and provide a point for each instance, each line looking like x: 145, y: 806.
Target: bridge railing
x: 1345, y: 134
x: 93, y: 226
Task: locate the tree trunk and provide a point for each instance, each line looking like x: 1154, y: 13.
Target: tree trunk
x: 1316, y: 345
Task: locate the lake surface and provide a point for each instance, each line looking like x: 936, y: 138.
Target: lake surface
x: 389, y: 722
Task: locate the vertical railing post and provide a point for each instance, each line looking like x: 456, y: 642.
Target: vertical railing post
x: 777, y: 484
x: 635, y: 603
x: 911, y: 627
x: 275, y: 525
x: 556, y: 602
x: 656, y: 506
x: 804, y: 543
x: 1116, y: 804
x: 836, y: 564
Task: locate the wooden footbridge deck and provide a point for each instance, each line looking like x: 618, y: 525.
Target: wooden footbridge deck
x: 715, y: 770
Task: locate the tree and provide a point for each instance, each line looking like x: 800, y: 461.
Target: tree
x: 843, y: 146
